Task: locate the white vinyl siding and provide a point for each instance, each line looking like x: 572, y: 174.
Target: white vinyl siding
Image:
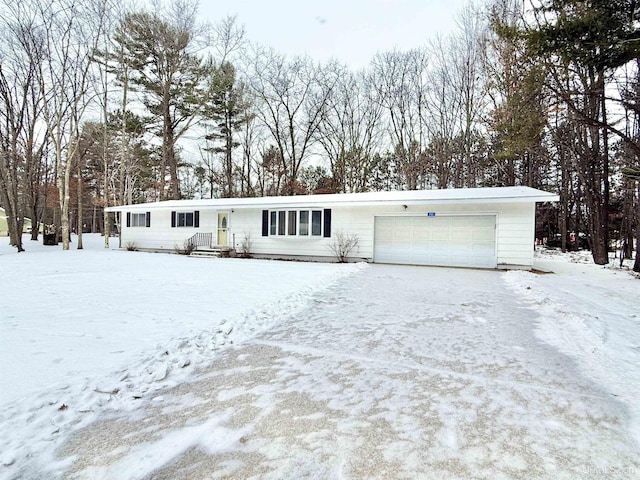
x: 514, y: 229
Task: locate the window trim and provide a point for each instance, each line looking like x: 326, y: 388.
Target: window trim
x: 138, y: 219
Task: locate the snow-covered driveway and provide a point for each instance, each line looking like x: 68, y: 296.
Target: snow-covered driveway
x: 394, y: 372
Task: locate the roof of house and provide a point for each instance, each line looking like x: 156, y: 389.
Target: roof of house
x: 411, y: 197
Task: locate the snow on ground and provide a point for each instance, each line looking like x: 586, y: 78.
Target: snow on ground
x: 88, y: 329
x: 349, y: 372
x: 591, y: 314
x: 396, y: 372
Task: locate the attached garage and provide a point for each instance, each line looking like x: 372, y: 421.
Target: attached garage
x: 446, y: 240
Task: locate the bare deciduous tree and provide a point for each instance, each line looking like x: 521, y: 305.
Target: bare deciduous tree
x: 293, y: 95
x: 23, y: 144
x: 349, y: 131
x: 70, y: 31
x: 399, y: 79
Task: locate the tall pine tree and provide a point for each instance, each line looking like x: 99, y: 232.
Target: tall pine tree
x: 163, y: 63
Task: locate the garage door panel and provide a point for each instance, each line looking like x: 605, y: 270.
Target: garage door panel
x: 479, y: 221
x: 460, y: 237
x: 465, y: 250
x: 465, y: 241
x: 483, y: 235
x: 441, y: 235
x: 405, y: 222
x: 384, y: 236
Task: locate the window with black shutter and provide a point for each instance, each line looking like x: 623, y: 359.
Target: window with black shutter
x: 138, y: 219
x: 185, y: 219
x: 297, y: 223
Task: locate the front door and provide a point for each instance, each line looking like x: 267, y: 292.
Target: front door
x: 223, y: 227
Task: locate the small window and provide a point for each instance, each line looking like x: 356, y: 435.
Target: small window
x: 316, y: 223
x: 304, y: 223
x: 293, y: 217
x: 138, y: 219
x: 273, y: 223
x: 282, y: 223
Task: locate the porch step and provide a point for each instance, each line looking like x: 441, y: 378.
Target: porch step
x: 211, y: 252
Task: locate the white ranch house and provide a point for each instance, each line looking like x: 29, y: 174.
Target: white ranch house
x: 469, y: 227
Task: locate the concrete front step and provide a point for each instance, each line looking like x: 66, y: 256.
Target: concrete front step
x: 211, y: 252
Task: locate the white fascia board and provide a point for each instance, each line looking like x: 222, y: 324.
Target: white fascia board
x: 415, y: 197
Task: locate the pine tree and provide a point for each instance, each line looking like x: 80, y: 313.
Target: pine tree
x: 226, y: 111
x: 161, y: 52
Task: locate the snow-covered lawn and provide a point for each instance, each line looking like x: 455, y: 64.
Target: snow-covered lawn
x: 77, y: 326
x: 84, y: 313
x: 123, y: 365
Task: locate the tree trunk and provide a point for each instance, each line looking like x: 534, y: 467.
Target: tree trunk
x: 35, y: 223
x: 599, y: 246
x: 564, y: 195
x: 80, y: 207
x: 14, y: 223
x: 628, y: 221
x: 228, y: 154
x: 636, y: 265
x: 172, y: 161
x: 600, y: 185
x: 9, y: 191
x: 106, y: 230
x: 64, y: 180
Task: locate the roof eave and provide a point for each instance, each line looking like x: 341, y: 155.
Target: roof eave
x: 217, y: 204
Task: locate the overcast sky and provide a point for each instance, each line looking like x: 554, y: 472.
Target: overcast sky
x: 350, y: 30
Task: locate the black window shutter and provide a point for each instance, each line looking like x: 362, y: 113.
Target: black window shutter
x: 128, y: 219
x: 148, y: 219
x: 196, y: 219
x: 327, y: 222
x: 173, y: 219
x: 265, y: 223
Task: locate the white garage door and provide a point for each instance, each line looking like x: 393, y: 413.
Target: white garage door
x: 456, y: 241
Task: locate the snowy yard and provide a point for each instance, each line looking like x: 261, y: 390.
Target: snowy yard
x: 120, y: 365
